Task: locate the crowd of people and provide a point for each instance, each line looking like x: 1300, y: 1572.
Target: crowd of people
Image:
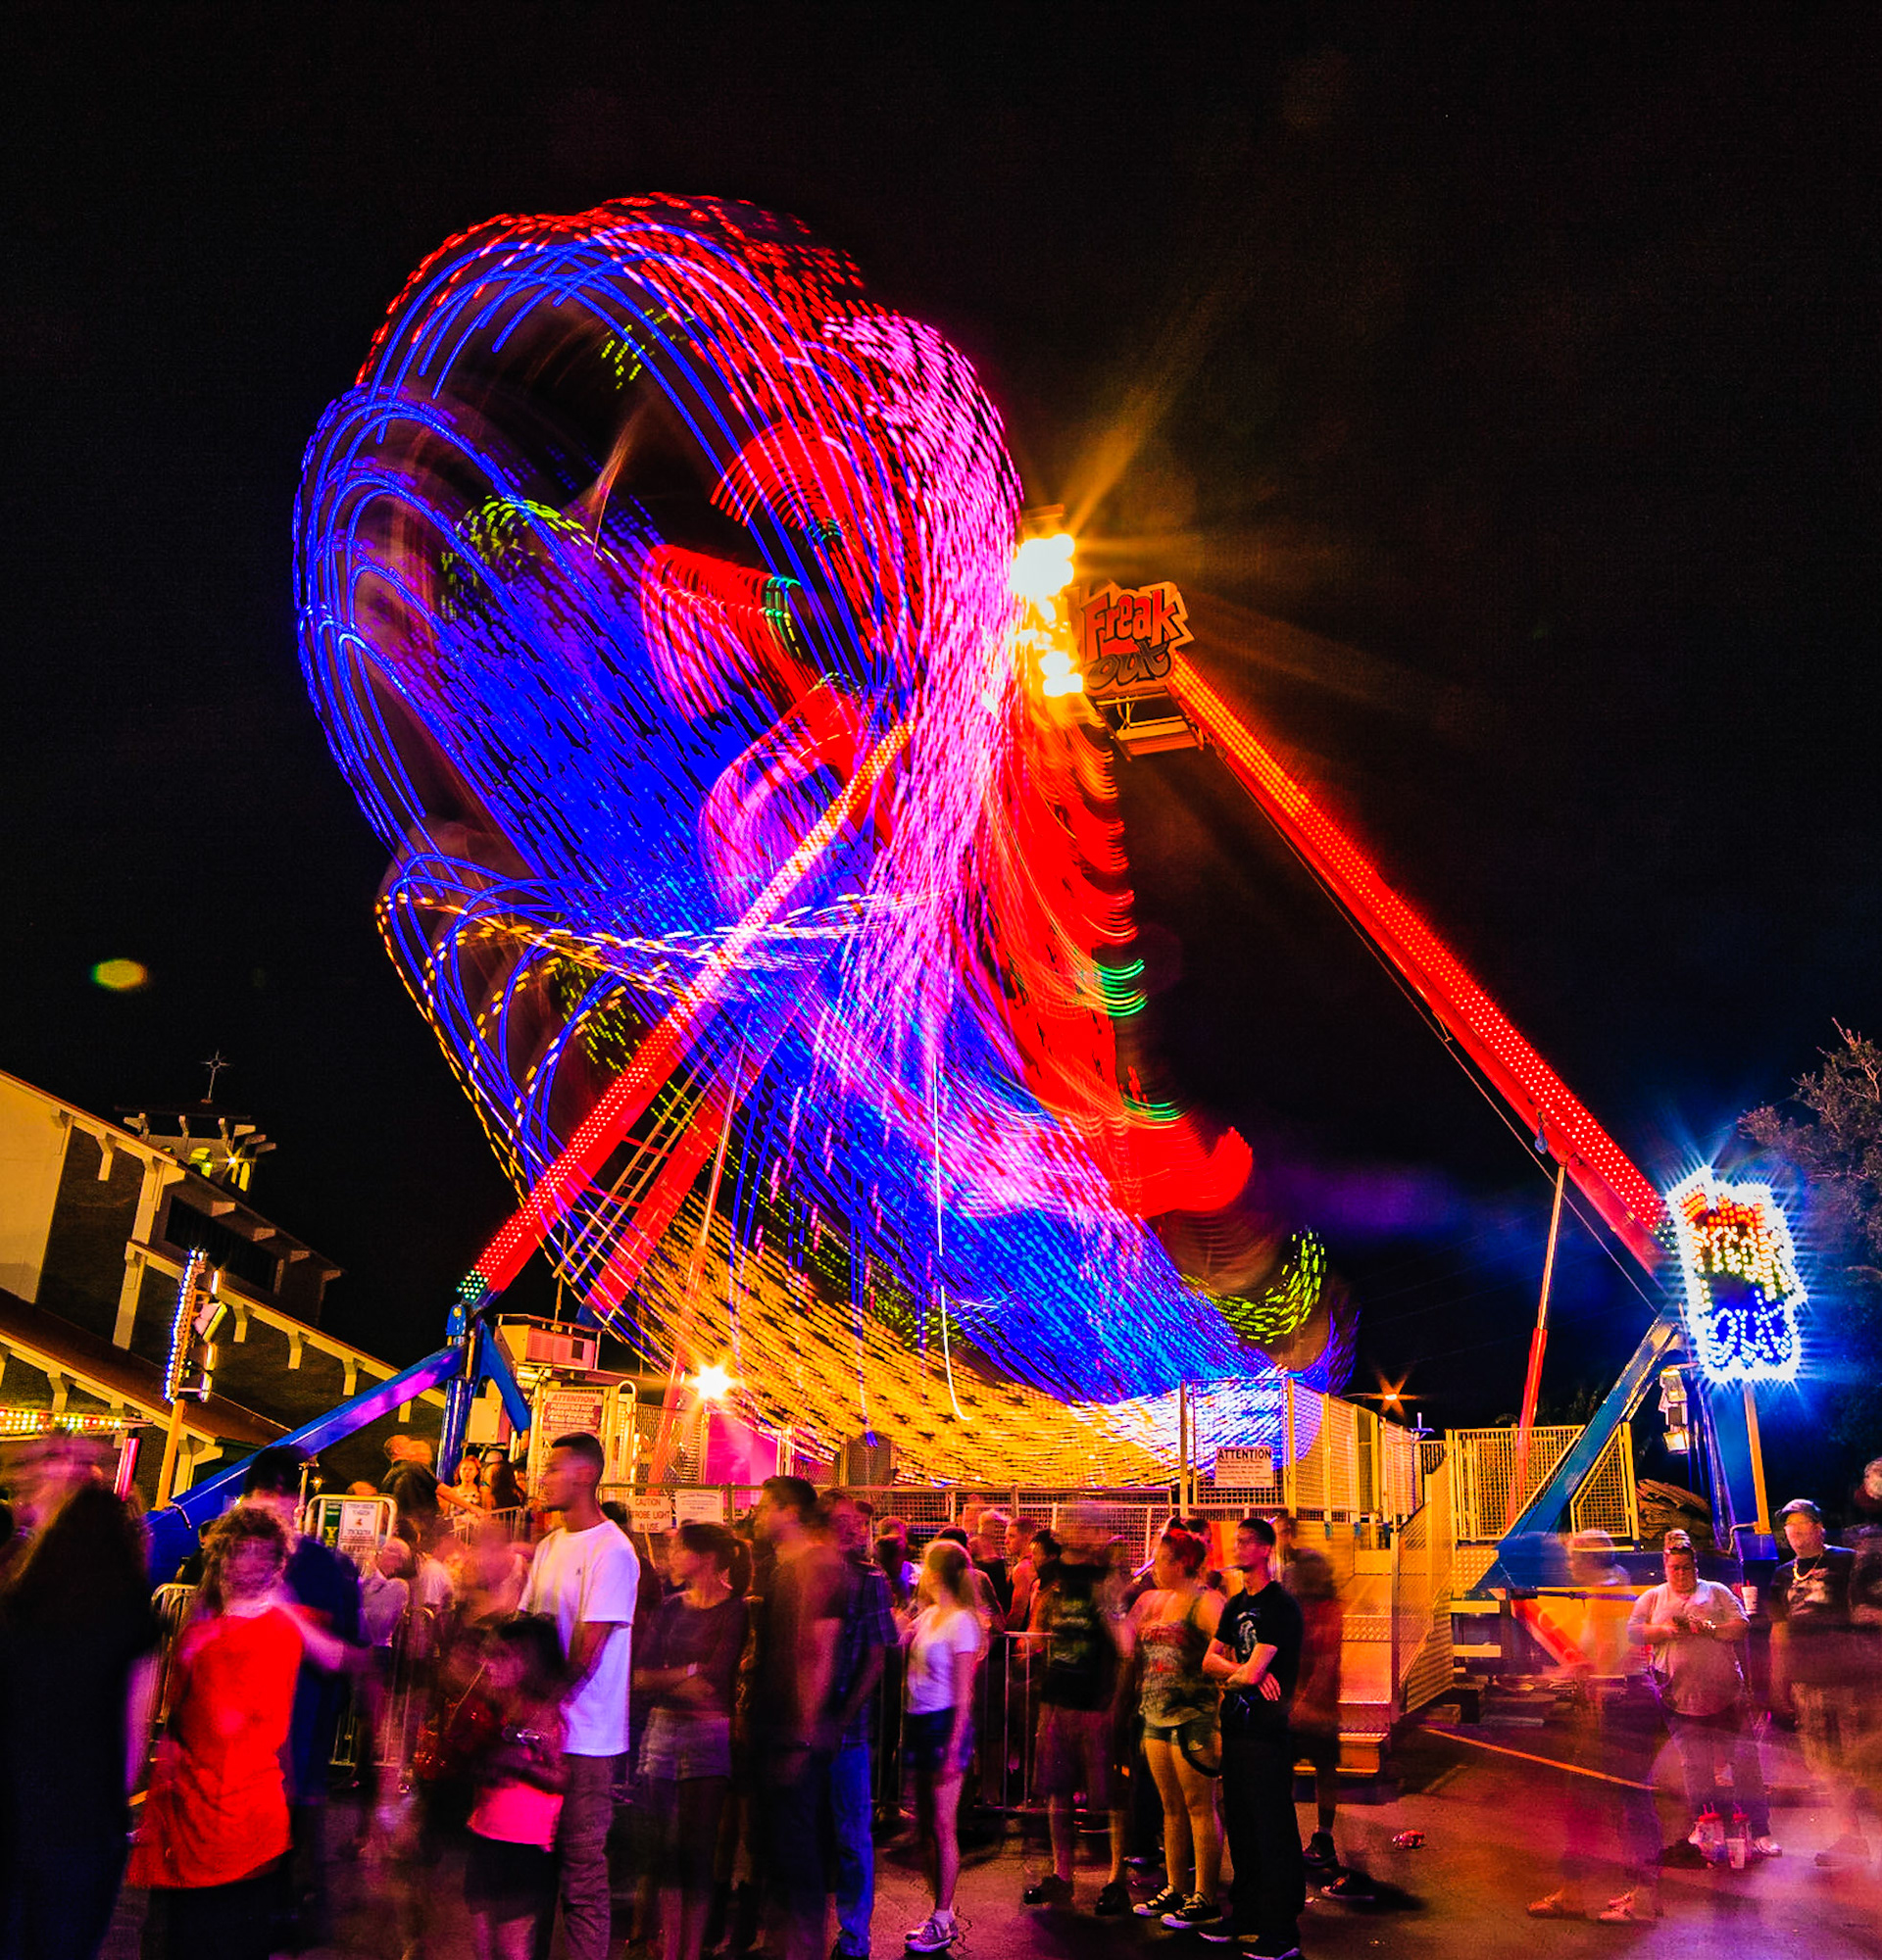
x: 535, y: 1704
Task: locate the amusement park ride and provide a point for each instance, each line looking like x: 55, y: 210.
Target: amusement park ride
x: 745, y: 774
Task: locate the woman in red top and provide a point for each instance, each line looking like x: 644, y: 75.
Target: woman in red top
x: 216, y: 1820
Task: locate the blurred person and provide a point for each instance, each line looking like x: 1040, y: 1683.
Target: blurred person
x: 1816, y: 1668
x: 988, y: 1549
x: 1695, y: 1630
x: 1173, y: 1624
x: 899, y: 1575
x: 327, y: 1583
x: 945, y: 1640
x: 901, y: 1569
x: 491, y: 1575
x: 385, y: 1600
x: 1023, y: 1575
x: 984, y: 1601
x: 586, y: 1577
x: 78, y: 1673
x: 385, y: 1594
x: 794, y: 1736
x: 503, y: 1490
x: 687, y: 1667
x: 410, y: 1481
x: 360, y: 1488
x: 1077, y: 1625
x: 1308, y: 1576
x: 1256, y: 1655
x: 432, y: 1588
x: 521, y: 1773
x: 867, y: 1635
x: 1615, y: 1733
x: 215, y: 1826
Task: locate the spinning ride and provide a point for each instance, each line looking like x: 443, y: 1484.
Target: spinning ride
x: 754, y: 857
x: 656, y: 593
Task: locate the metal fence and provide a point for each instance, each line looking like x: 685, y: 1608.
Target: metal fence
x: 1424, y: 1556
x: 1483, y: 1469
x: 1608, y: 1498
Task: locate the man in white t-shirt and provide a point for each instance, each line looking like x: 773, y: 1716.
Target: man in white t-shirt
x: 584, y: 1577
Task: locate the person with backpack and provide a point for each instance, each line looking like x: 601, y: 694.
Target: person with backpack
x: 1076, y: 1632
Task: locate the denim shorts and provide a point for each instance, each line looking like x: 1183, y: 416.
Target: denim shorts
x: 924, y: 1742
x: 679, y: 1747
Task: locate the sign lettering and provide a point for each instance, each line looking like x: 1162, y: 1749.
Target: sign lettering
x: 1125, y: 638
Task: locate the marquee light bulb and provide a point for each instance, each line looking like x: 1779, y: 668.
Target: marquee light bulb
x: 1042, y: 567
x: 712, y: 1383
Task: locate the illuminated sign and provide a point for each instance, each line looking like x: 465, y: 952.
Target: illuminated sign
x: 1125, y: 638
x: 1743, y: 1291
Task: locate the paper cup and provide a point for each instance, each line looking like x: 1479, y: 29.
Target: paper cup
x: 1735, y: 1851
x: 1747, y: 1596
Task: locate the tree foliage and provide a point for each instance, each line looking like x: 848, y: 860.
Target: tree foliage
x: 1835, y: 1150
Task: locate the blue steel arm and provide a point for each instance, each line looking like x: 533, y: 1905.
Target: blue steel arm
x: 493, y: 1365
x: 1530, y: 1552
x: 173, y: 1530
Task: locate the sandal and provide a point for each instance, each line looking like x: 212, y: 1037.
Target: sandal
x: 1557, y: 1905
x: 1626, y: 1911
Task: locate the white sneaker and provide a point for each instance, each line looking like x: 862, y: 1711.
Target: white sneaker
x: 1766, y: 1847
x: 935, y: 1934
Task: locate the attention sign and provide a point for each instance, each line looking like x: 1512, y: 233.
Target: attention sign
x: 1127, y: 638
x: 1245, y: 1467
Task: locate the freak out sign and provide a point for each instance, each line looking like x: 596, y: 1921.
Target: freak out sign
x: 1743, y: 1291
x: 1125, y: 638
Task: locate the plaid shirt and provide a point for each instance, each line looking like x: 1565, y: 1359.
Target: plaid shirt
x: 868, y: 1624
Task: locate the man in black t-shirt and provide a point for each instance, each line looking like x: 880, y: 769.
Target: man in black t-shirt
x: 1816, y: 1666
x: 1256, y: 1655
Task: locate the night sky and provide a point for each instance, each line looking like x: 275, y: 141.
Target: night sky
x: 1525, y: 360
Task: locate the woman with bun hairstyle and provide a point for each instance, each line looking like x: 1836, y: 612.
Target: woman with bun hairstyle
x: 1173, y: 1624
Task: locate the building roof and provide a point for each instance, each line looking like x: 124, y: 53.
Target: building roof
x: 109, y: 1374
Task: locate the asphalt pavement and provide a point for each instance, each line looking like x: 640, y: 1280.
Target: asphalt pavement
x: 1494, y: 1809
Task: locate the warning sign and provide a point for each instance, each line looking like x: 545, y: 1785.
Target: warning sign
x: 1245, y: 1467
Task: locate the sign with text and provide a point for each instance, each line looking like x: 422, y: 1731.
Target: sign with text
x: 1125, y: 638
x: 651, y: 1513
x: 698, y: 1507
x: 1249, y: 1467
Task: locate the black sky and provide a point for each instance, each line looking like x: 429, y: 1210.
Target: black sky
x: 1528, y: 354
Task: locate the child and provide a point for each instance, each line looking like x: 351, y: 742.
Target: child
x: 510, y: 1872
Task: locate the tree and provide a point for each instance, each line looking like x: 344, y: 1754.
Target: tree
x: 1835, y: 1150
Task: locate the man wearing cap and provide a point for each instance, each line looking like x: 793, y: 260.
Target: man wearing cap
x: 1813, y: 1665
x: 1694, y: 1630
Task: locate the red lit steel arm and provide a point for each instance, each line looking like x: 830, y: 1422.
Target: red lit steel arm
x: 1600, y: 1169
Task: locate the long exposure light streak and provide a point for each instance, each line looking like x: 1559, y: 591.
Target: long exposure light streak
x: 655, y: 591
x: 1616, y: 1188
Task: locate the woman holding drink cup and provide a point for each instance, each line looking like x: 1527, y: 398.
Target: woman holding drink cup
x: 1695, y: 1631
